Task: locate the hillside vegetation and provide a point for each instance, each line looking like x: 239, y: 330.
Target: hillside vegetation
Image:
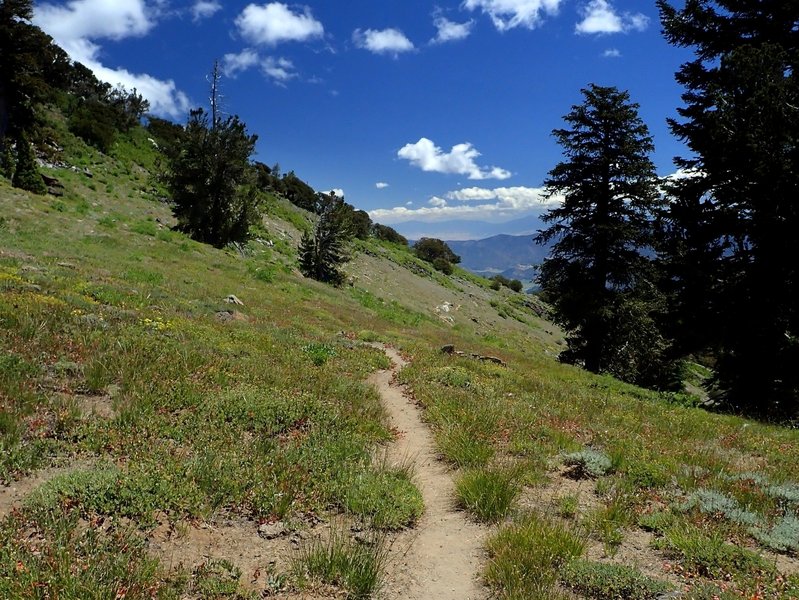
x: 152, y: 426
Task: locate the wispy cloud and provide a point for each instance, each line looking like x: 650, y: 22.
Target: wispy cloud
x: 204, y: 9
x: 280, y: 70
x: 275, y: 23
x: 611, y: 53
x: 599, y: 17
x: 79, y: 25
x: 449, y: 31
x: 234, y: 63
x: 460, y: 160
x: 386, y: 41
x: 381, y: 185
x: 509, y: 14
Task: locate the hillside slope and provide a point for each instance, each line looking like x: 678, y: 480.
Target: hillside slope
x: 161, y: 438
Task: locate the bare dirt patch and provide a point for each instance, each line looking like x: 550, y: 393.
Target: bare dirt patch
x: 234, y: 540
x: 548, y: 499
x: 12, y: 495
x: 443, y: 555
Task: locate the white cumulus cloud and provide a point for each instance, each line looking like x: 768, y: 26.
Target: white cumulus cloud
x: 509, y: 14
x: 385, y: 41
x: 461, y: 160
x: 274, y: 23
x: 204, y: 9
x: 476, y: 204
x: 78, y: 25
x: 599, y: 17
x: 449, y: 31
x: 381, y: 185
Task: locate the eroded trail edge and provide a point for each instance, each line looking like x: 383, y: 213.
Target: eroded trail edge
x: 443, y: 555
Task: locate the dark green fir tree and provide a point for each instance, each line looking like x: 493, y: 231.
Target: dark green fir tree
x: 733, y: 248
x: 599, y: 277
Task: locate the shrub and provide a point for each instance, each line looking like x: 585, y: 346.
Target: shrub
x: 388, y: 234
x: 429, y: 249
x: 783, y: 535
x: 93, y: 122
x: 443, y: 265
x: 588, y: 463
x: 713, y: 502
x: 319, y: 353
x: 603, y: 581
x: 322, y: 252
x: 26, y: 175
x: 515, y: 285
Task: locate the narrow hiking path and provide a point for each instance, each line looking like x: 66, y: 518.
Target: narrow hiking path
x: 442, y: 556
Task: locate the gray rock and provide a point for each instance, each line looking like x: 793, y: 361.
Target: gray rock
x: 231, y: 299
x: 270, y: 531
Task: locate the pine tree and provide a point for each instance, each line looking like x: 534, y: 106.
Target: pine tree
x: 26, y: 174
x: 733, y: 245
x: 211, y: 180
x: 322, y: 252
x: 598, y: 279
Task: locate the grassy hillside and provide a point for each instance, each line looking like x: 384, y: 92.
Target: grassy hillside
x: 142, y: 414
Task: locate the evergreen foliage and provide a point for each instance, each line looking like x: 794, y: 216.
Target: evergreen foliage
x: 598, y: 279
x: 93, y: 122
x: 322, y: 252
x: 7, y: 162
x: 430, y: 249
x: 388, y: 234
x: 26, y: 174
x: 732, y: 245
x: 210, y: 180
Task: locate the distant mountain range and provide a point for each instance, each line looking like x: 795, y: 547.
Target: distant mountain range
x: 514, y: 256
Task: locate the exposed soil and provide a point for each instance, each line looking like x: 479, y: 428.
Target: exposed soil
x: 442, y: 557
x: 233, y: 540
x: 12, y: 495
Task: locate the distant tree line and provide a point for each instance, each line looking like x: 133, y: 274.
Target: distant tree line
x: 644, y: 272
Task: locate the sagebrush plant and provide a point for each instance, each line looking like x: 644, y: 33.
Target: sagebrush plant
x: 606, y: 581
x: 782, y: 536
x: 588, y: 463
x: 713, y: 502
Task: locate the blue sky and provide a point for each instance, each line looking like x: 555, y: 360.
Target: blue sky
x: 434, y: 116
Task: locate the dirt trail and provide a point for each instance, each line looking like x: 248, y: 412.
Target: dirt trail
x: 442, y: 557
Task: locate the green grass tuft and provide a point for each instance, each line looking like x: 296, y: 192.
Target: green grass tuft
x: 341, y: 561
x: 488, y: 494
x: 526, y: 557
